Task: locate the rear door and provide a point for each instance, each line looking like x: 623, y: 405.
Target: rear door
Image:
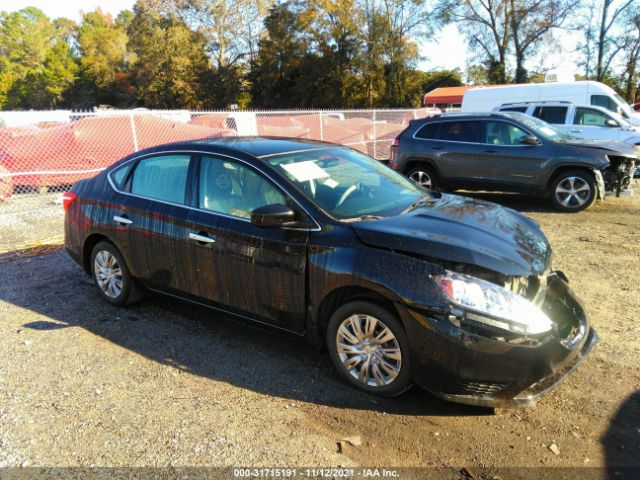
x: 505, y: 160
x: 153, y: 213
x: 456, y: 151
x: 255, y: 272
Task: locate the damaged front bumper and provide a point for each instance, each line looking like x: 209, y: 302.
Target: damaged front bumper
x: 464, y: 367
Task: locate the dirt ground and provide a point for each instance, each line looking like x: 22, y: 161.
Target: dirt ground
x: 169, y: 384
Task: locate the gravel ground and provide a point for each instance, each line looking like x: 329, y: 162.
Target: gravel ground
x: 168, y: 384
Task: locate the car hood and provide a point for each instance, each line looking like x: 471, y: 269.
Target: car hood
x: 608, y: 146
x: 465, y: 230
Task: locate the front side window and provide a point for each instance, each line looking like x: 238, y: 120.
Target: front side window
x: 553, y: 115
x: 162, y: 178
x: 589, y: 116
x: 604, y: 101
x: 231, y: 188
x: 503, y: 133
x: 347, y: 184
x: 463, y: 131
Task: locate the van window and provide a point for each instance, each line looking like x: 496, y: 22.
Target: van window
x: 429, y: 131
x: 514, y: 109
x: 464, y: 131
x: 554, y: 115
x: 590, y: 116
x: 605, y: 101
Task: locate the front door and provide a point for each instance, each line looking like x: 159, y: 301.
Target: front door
x: 237, y: 266
x: 505, y: 160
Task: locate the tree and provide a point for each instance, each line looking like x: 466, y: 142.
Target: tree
x: 171, y: 65
x: 36, y: 65
x: 487, y: 25
x: 531, y: 21
x: 102, y: 49
x: 631, y: 74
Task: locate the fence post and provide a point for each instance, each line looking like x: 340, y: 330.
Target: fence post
x: 133, y: 132
x: 375, y: 136
x: 321, y: 128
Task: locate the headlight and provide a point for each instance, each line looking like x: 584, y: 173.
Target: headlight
x: 511, y: 311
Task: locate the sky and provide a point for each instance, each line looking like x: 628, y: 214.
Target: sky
x: 448, y: 50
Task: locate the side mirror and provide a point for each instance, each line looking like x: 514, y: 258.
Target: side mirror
x: 530, y: 140
x: 611, y: 123
x: 273, y: 215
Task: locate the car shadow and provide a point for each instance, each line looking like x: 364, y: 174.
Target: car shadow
x: 621, y: 441
x: 195, y: 340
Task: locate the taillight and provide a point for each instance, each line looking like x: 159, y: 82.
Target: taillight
x: 396, y: 142
x: 67, y: 199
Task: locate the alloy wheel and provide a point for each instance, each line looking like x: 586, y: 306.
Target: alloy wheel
x: 573, y: 192
x: 108, y: 274
x: 421, y: 178
x: 368, y: 350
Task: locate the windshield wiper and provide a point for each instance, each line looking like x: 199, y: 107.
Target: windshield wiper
x: 420, y: 203
x: 362, y: 217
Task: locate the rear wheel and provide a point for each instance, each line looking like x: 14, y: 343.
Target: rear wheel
x: 424, y: 176
x: 110, y: 272
x: 573, y: 191
x: 369, y: 348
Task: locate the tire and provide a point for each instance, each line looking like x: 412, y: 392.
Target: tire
x: 116, y: 285
x: 424, y: 176
x: 388, y: 378
x: 573, y: 191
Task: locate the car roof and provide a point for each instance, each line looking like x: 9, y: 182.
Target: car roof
x: 262, y: 146
x: 474, y: 116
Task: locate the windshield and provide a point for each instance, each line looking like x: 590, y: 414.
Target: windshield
x: 543, y: 129
x: 348, y: 185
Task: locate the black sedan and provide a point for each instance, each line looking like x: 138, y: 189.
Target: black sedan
x: 400, y: 285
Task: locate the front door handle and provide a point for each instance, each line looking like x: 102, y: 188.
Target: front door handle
x: 576, y: 130
x: 201, y: 238
x: 491, y: 150
x: 122, y: 220
x: 436, y: 147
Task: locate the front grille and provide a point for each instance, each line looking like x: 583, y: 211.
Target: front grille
x: 473, y: 388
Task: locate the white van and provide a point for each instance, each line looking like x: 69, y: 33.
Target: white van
x: 581, y: 92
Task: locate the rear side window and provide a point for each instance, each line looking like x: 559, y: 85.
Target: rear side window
x: 119, y: 176
x: 162, y: 178
x: 463, y: 131
x: 514, y: 109
x: 554, y: 115
x: 589, y: 116
x: 429, y: 131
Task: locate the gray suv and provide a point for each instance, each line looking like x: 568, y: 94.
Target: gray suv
x: 512, y: 152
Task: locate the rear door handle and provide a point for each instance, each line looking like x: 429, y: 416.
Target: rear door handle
x: 576, y: 130
x: 491, y: 151
x: 122, y: 220
x: 201, y: 238
x: 436, y: 148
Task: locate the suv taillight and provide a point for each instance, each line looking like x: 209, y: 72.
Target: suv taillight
x: 396, y: 142
x: 67, y: 199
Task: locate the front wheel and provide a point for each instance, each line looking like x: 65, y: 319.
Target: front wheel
x: 369, y: 349
x: 573, y: 191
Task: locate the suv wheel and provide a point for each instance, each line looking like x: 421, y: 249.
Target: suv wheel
x: 369, y: 348
x: 573, y: 191
x: 424, y: 176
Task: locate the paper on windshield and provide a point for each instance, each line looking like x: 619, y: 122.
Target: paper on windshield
x: 305, y: 171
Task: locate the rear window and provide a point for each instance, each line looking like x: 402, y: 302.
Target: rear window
x: 463, y: 131
x: 554, y: 115
x: 429, y: 131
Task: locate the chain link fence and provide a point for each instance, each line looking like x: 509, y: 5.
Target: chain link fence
x: 43, y: 153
